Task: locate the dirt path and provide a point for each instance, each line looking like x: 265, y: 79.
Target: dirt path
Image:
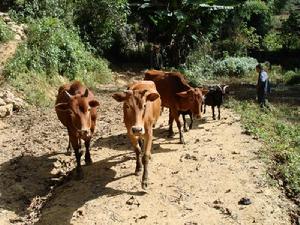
x: 197, y: 183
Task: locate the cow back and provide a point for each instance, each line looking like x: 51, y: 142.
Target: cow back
x: 167, y: 85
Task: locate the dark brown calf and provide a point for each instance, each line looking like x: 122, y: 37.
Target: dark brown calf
x: 76, y: 108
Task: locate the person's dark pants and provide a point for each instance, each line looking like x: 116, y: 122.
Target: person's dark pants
x: 261, y: 96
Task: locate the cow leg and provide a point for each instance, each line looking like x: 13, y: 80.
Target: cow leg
x: 191, y: 117
x: 213, y: 112
x: 176, y: 117
x: 137, y: 145
x: 184, y: 123
x: 171, y: 119
x: 76, y: 146
x: 146, y: 157
x: 69, y: 148
x: 87, y: 156
x: 219, y: 111
x: 204, y: 111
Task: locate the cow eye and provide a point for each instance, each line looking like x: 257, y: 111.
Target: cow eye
x: 89, y: 109
x: 144, y: 105
x: 126, y: 106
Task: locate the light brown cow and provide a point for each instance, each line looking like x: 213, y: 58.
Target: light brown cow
x: 76, y: 108
x: 141, y: 109
x: 176, y: 95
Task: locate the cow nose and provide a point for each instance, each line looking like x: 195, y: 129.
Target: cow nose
x: 136, y: 129
x: 85, y: 133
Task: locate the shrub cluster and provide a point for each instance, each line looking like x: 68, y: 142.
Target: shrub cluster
x: 206, y: 68
x: 51, y: 49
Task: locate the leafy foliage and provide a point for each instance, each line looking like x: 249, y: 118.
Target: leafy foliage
x: 99, y: 20
x: 5, y: 33
x: 51, y: 48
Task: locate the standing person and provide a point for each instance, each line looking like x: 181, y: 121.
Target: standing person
x: 156, y: 58
x: 262, y: 85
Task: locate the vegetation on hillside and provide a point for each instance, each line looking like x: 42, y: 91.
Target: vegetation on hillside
x: 5, y: 33
x: 279, y: 129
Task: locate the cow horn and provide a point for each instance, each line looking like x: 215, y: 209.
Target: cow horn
x: 86, y: 93
x: 128, y: 91
x: 224, y: 88
x: 219, y: 86
x: 68, y: 94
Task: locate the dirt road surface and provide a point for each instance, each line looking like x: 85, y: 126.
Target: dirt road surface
x: 197, y: 183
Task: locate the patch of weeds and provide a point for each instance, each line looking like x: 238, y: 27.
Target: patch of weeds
x: 38, y: 89
x: 279, y: 128
x: 5, y: 33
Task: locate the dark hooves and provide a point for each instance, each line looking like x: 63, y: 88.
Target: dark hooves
x: 171, y: 135
x: 88, y: 162
x: 79, y: 175
x: 144, y: 185
x: 137, y: 172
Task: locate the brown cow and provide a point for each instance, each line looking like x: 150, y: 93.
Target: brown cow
x: 76, y: 108
x: 141, y: 109
x: 176, y: 95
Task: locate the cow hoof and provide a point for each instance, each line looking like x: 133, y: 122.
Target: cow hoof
x: 171, y: 135
x: 182, y: 141
x: 88, y: 161
x: 137, y: 172
x: 214, y: 118
x: 68, y: 153
x: 185, y: 130
x: 144, y: 185
x: 79, y: 175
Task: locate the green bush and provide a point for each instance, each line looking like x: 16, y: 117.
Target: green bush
x: 99, y: 20
x: 272, y: 41
x: 5, y: 33
x: 234, y: 66
x: 292, y: 77
x: 52, y: 49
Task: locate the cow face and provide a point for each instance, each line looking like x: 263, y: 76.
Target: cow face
x: 136, y: 104
x: 192, y: 100
x: 80, y: 109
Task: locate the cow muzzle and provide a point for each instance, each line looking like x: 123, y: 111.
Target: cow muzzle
x: 137, y: 130
x: 85, y: 133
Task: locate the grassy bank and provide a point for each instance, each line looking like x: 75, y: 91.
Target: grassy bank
x: 51, y: 55
x: 279, y: 128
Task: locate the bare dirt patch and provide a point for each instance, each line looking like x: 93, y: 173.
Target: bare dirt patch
x: 201, y: 182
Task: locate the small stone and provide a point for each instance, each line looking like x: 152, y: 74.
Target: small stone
x: 245, y: 201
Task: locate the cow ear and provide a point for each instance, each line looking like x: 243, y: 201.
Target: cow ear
x: 120, y: 97
x: 62, y: 106
x: 204, y: 91
x: 183, y: 94
x: 152, y: 96
x: 94, y: 103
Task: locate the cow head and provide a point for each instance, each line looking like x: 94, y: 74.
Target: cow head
x: 222, y: 88
x: 192, y: 100
x: 136, y: 103
x: 80, y: 108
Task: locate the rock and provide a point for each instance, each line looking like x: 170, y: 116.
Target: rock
x: 9, y: 98
x: 6, y: 110
x: 245, y: 201
x: 2, y: 102
x: 132, y: 201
